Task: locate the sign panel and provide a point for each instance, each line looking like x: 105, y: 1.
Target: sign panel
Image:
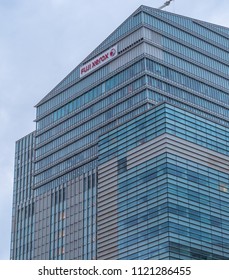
x: 98, y: 61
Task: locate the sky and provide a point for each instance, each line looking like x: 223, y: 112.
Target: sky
x: 41, y: 41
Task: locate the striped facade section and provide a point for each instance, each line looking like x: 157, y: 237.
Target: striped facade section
x: 107, y: 231
x: 177, y: 146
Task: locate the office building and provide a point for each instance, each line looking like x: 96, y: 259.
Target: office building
x: 129, y: 159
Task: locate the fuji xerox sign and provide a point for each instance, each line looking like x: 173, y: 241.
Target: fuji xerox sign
x: 98, y: 61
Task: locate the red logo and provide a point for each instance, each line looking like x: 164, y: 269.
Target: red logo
x: 113, y: 52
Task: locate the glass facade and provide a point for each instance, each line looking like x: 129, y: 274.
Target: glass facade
x: 130, y: 160
x: 159, y: 195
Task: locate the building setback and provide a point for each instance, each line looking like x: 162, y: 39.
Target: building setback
x: 129, y: 159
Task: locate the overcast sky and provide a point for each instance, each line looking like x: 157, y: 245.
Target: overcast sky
x: 41, y: 41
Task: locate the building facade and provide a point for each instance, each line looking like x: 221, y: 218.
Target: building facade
x: 129, y: 159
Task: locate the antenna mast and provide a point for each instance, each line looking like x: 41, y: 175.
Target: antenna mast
x: 167, y: 3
